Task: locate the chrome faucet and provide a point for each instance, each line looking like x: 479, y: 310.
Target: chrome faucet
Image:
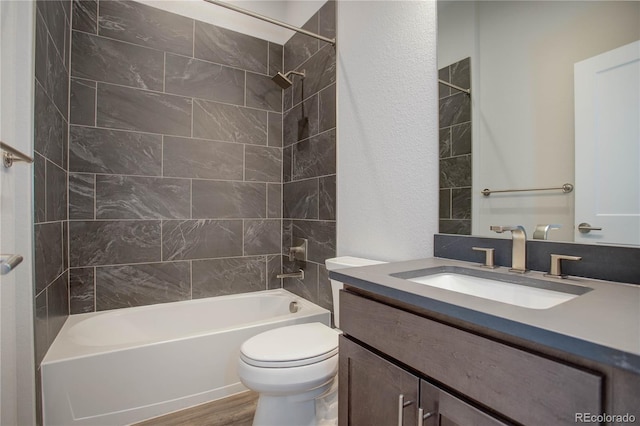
x: 299, y: 275
x: 519, y: 247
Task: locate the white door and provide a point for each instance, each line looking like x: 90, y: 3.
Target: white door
x: 607, y: 146
x: 17, y: 377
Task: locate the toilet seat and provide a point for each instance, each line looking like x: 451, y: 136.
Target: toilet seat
x: 292, y: 346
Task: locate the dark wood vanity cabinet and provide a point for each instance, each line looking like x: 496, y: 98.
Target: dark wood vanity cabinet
x: 397, y: 367
x: 381, y: 393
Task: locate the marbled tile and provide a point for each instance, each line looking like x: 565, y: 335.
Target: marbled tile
x: 53, y: 15
x: 41, y: 41
x: 301, y: 47
x: 455, y: 172
x: 85, y: 16
x: 201, y: 239
x: 147, y: 26
x: 300, y: 122
x: 197, y: 158
x: 287, y: 99
x: 114, y: 242
x: 461, y: 203
x: 57, y: 79
x: 137, y: 285
x: 274, y: 200
x: 327, y: 20
x: 112, y: 61
x: 274, y: 267
x: 443, y: 89
x: 327, y: 198
x: 461, y: 139
x: 217, y: 277
x: 114, y: 152
x: 300, y: 199
x: 48, y: 253
x: 41, y: 339
x: 461, y: 74
x: 82, y: 102
x: 455, y: 226
x: 287, y: 163
x: 262, y: 236
x: 57, y: 305
x: 325, y: 295
x: 263, y: 164
x: 275, y: 129
x: 56, y: 192
x: 67, y: 41
x: 327, y: 108
x: 321, y: 73
x: 321, y: 236
x: 287, y: 236
x: 49, y: 129
x: 65, y: 245
x: 275, y: 58
x: 81, y: 290
x: 217, y: 200
x: 315, y: 157
x: 445, y: 142
x: 263, y: 93
x: 229, y: 123
x: 444, y: 206
x: 307, y: 288
x: 200, y: 79
x: 136, y: 197
x: 223, y: 46
x: 39, y: 188
x: 134, y: 109
x: 455, y: 109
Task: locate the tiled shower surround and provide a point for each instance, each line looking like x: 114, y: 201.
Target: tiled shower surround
x: 455, y: 150
x: 176, y: 158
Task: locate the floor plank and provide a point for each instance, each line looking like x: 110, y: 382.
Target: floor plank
x: 236, y: 410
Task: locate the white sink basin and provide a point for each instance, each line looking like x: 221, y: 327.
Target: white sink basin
x: 505, y: 292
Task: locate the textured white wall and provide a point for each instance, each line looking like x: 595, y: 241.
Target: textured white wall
x: 387, y: 172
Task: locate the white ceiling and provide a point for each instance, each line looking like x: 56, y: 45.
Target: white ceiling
x: 293, y: 12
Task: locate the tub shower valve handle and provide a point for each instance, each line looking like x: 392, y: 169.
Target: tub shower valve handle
x: 556, y: 261
x: 299, y: 250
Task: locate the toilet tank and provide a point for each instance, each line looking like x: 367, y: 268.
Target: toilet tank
x: 340, y: 263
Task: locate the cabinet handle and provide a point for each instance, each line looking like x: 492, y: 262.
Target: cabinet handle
x: 422, y: 416
x: 401, y: 405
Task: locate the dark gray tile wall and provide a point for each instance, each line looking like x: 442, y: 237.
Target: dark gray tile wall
x: 455, y: 150
x: 51, y: 123
x: 309, y: 156
x: 175, y: 159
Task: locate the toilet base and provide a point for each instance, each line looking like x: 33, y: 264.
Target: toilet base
x: 291, y: 410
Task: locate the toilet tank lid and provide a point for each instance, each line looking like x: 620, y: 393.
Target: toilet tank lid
x: 291, y: 343
x: 349, y: 262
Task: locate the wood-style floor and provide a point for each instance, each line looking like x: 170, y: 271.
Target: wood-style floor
x: 236, y: 410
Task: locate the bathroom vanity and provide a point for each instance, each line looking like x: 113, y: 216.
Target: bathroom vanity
x: 418, y: 354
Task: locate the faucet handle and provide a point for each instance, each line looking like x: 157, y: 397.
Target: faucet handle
x: 556, y: 260
x: 488, y: 256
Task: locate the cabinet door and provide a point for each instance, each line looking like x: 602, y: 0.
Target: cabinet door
x: 444, y: 409
x: 373, y: 391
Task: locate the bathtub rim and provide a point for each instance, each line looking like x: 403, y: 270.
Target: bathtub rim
x: 62, y: 351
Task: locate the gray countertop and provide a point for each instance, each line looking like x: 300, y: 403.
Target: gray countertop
x: 602, y: 325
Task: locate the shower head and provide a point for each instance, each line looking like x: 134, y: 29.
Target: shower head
x: 284, y: 81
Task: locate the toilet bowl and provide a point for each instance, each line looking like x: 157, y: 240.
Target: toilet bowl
x: 293, y: 368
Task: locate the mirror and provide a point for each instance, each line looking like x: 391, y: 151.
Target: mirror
x: 516, y: 130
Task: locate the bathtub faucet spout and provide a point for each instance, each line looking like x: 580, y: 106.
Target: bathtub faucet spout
x: 299, y: 275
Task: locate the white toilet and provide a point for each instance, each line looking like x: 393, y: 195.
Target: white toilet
x: 291, y: 367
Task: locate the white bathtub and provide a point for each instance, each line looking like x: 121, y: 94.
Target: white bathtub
x: 127, y: 365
